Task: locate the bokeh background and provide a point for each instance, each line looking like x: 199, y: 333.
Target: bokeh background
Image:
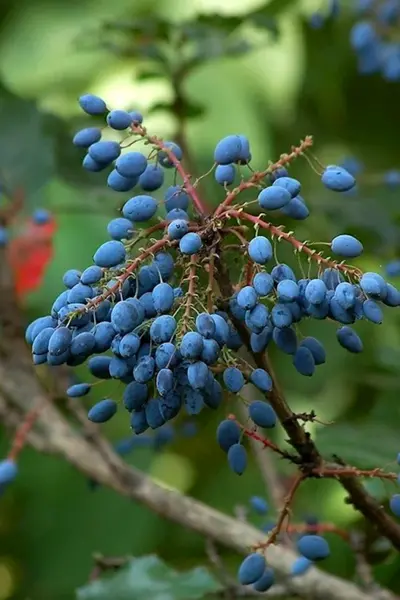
x: 301, y: 81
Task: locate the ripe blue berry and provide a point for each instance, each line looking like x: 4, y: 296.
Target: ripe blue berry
x: 313, y: 547
x: 152, y: 178
x: 348, y: 338
x: 190, y: 243
x: 102, y: 411
x: 303, y: 361
x: 316, y: 349
x: 140, y: 208
x: 86, y: 137
x: 300, y: 566
x: 337, y: 179
x: 228, y: 434
x: 104, y: 152
x: 262, y: 414
x: 261, y: 379
x: 176, y: 198
x: 163, y: 297
x: 247, y: 297
x: 177, y: 229
x: 205, y: 325
x: 131, y: 164
x: 228, y: 150
x: 265, y: 582
x: 287, y: 291
x: 346, y: 246
x: 251, y: 569
x: 110, y: 254
x: 291, y: 185
x: 225, y: 174
x: 260, y: 250
x: 118, y: 183
x: 259, y: 505
x: 233, y: 379
x: 191, y: 345
x: 92, y: 105
x: 8, y: 471
x: 263, y: 284
x: 237, y: 458
x: 274, y: 197
x: 119, y: 119
x: 163, y: 157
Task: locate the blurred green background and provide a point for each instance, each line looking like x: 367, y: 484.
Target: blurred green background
x: 303, y: 81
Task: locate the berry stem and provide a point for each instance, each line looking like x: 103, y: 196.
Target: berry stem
x: 189, y: 188
x: 299, y: 246
x: 257, y: 177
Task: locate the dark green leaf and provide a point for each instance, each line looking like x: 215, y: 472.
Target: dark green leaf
x: 27, y: 148
x: 148, y: 578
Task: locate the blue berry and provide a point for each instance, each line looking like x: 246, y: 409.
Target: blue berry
x: 262, y: 414
x: 337, y: 179
x: 228, y: 150
x: 291, y: 185
x: 225, y: 174
x: 228, y: 434
x: 190, y: 243
x: 92, y: 105
x: 152, y: 178
x: 86, y: 137
x: 348, y: 338
x: 260, y: 250
x: 131, y: 164
x: 102, y: 411
x: 177, y: 229
x: 163, y: 157
x: 119, y: 119
x: 104, y: 152
x: 251, y: 569
x: 176, y: 198
x: 110, y: 254
x: 247, y: 297
x: 300, y: 566
x: 346, y: 246
x: 274, y: 197
x: 265, y: 582
x: 237, y: 458
x: 118, y: 183
x: 259, y: 505
x: 140, y: 208
x: 261, y: 379
x: 233, y: 379
x: 313, y: 547
x: 263, y: 284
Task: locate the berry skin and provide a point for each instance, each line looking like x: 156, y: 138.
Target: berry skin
x: 71, y: 278
x: 131, y: 164
x: 152, y: 178
x: 228, y: 434
x: 92, y: 105
x: 394, y: 504
x: 163, y: 157
x: 162, y: 329
x: 346, y: 246
x: 8, y: 471
x: 304, y: 362
x: 300, y: 566
x: 263, y: 284
x: 237, y: 458
x: 60, y: 341
x: 349, y: 339
x: 120, y: 229
x: 262, y: 414
x: 233, y: 379
x: 228, y: 150
x: 177, y: 229
x: 163, y: 297
x: 86, y: 137
x: 259, y: 505
x: 119, y: 119
x: 251, y: 569
x: 287, y: 291
x: 110, y: 254
x: 102, y: 411
x: 118, y: 183
x: 198, y: 375
x: 316, y: 349
x: 225, y: 174
x: 296, y: 209
x: 337, y: 179
x: 260, y: 250
x: 274, y: 197
x: 291, y: 185
x: 261, y: 380
x: 372, y: 311
x: 191, y: 345
x: 190, y: 243
x: 91, y: 275
x: 247, y: 297
x: 176, y: 197
x: 205, y: 325
x: 265, y: 582
x: 140, y: 208
x: 313, y: 547
x: 104, y: 152
x: 315, y: 291
x: 89, y: 164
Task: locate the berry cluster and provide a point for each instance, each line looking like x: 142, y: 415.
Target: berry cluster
x: 167, y: 314
x: 374, y: 37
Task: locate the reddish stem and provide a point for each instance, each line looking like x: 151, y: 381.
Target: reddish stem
x: 299, y: 246
x: 190, y: 189
x: 285, y: 159
x: 318, y: 528
x: 23, y: 431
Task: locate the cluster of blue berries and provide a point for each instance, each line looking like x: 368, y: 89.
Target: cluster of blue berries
x: 374, y: 38
x: 152, y: 319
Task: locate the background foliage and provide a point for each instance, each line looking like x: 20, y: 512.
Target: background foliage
x: 303, y: 81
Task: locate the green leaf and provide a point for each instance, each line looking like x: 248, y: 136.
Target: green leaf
x: 27, y: 155
x: 148, y: 578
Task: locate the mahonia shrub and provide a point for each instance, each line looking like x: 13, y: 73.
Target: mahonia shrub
x: 162, y: 311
